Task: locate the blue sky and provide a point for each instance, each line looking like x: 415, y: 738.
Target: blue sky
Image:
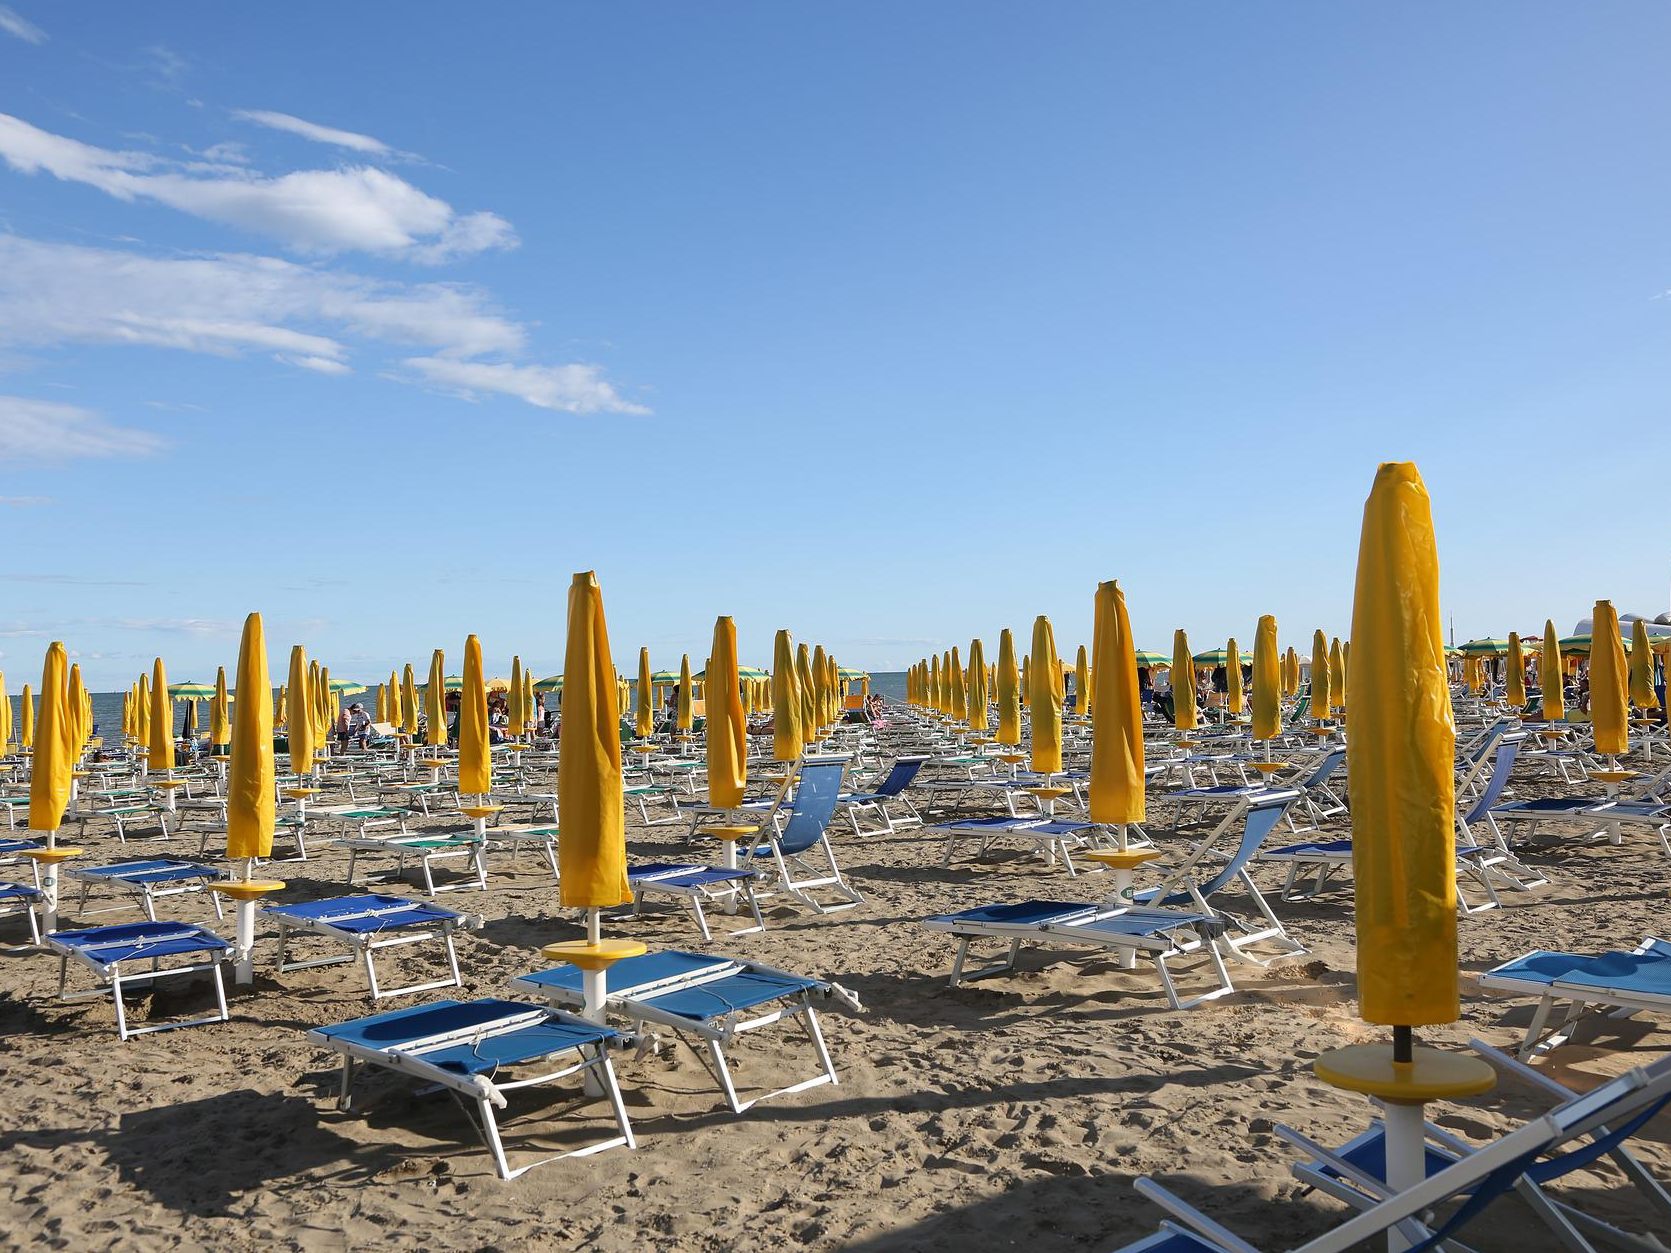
x: 888, y: 324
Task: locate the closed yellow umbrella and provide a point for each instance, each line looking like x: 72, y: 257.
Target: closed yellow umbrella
x: 1337, y: 675
x: 977, y: 695
x: 935, y: 701
x: 220, y: 713
x: 250, y: 812
x: 593, y: 850
x: 1642, y: 693
x: 1267, y: 682
x: 409, y: 701
x: 1552, y: 675
x: 1233, y: 694
x: 1082, y: 683
x: 6, y: 716
x: 1319, y: 676
x: 1026, y: 679
x: 1291, y: 672
x: 821, y: 685
x: 279, y: 702
x: 804, y: 684
x: 727, y: 726
x: 75, y: 705
x: 644, y: 720
x: 51, y: 773
x: 960, y: 699
x: 435, y: 701
x: 1007, y: 685
x: 1515, y: 682
x: 1046, y: 702
x: 518, y: 714
x: 685, y: 717
x: 26, y: 720
x: 788, y: 735
x: 1117, y: 776
x: 1608, y: 713
x: 299, y: 725
x: 475, y: 769
x: 1183, y: 683
x: 161, y: 744
x: 530, y: 702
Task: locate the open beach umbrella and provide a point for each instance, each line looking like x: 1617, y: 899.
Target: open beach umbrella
x: 346, y: 687
x: 788, y: 735
x: 1082, y: 682
x: 804, y: 685
x: 1147, y: 660
x: 1514, y: 689
x: 409, y: 701
x: 1117, y: 788
x: 1608, y: 705
x: 1215, y: 657
x: 977, y: 695
x: 1007, y: 685
x: 191, y: 691
x: 644, y: 719
x: 1320, y: 703
x: 162, y: 729
x: 1183, y: 683
x: 475, y: 769
x: 220, y: 711
x: 1485, y: 648
x: 551, y: 683
x: 1552, y: 676
x: 1046, y: 702
x: 1642, y: 693
x: 1267, y: 682
x: 299, y: 725
x: 727, y: 727
x: 593, y: 851
x: 249, y: 775
x: 1233, y: 694
x: 685, y: 715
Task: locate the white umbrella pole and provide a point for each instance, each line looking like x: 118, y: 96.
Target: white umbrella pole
x: 243, y: 965
x: 49, y: 886
x: 594, y: 985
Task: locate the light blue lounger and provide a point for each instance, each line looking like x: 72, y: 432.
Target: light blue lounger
x: 1054, y: 838
x: 697, y: 883
x: 710, y: 998
x: 20, y: 898
x: 1632, y: 982
x: 110, y: 954
x: 149, y: 880
x: 463, y: 1046
x: 366, y: 924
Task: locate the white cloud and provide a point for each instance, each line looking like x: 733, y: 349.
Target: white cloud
x: 312, y: 130
x: 44, y: 430
x: 14, y: 23
x: 312, y: 211
x: 574, y: 388
x: 320, y: 365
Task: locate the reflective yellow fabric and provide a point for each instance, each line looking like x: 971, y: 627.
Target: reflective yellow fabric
x: 1515, y: 671
x: 685, y: 710
x: 977, y: 694
x: 161, y: 743
x: 644, y: 717
x: 1045, y: 702
x: 1183, y: 683
x: 220, y: 710
x: 75, y: 704
x: 820, y: 686
x: 475, y: 770
x: 960, y: 697
x: 1401, y: 762
x: 1008, y: 689
x: 6, y: 716
x: 1026, y: 679
x: 1291, y: 673
x: 299, y: 725
x: 1642, y: 693
x: 1082, y: 682
x: 1552, y: 675
x: 1337, y: 676
x: 1234, y: 697
x: 51, y: 770
x: 935, y: 700
x: 727, y: 726
x: 518, y: 715
x: 788, y: 734
x: 593, y: 851
x: 1608, y: 713
x: 1319, y: 676
x: 409, y: 701
x: 1116, y: 714
x: 435, y: 701
x: 1267, y: 682
x: 804, y: 685
x: 249, y: 775
x: 26, y: 719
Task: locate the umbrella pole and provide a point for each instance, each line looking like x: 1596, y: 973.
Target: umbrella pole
x: 1406, y: 1135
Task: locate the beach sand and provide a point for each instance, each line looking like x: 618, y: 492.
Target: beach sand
x: 1011, y: 1113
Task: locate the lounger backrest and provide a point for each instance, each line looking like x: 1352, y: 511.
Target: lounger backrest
x: 817, y: 786
x: 900, y: 776
x: 1500, y: 771
x: 1325, y: 768
x: 1263, y: 813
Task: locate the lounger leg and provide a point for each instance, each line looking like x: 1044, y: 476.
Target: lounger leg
x: 121, y: 1011
x: 371, y: 971
x: 452, y: 959
x: 489, y: 1128
x: 701, y: 919
x: 724, y: 1073
x: 612, y: 1089
x: 809, y: 1020
x: 220, y: 993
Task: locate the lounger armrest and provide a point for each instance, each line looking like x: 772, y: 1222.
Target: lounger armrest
x: 1191, y: 1217
x: 1518, y: 1068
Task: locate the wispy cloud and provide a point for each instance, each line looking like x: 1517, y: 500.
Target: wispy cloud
x: 20, y: 27
x: 24, y: 502
x: 574, y: 388
x: 313, y: 130
x: 44, y: 430
x: 356, y: 208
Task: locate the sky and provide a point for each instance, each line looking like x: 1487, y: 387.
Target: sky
x: 891, y: 325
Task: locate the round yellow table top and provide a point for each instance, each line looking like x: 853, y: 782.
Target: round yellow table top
x: 1120, y: 859
x: 247, y: 889
x: 1012, y: 756
x: 1268, y: 767
x: 729, y: 834
x: 599, y: 956
x: 480, y: 811
x: 220, y: 756
x: 432, y: 763
x: 169, y: 783
x: 300, y: 793
x: 1186, y: 743
x: 49, y: 855
x: 1612, y: 776
x: 1048, y: 793
x: 1432, y: 1075
x: 1553, y: 733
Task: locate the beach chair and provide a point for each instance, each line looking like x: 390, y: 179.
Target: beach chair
x: 149, y: 880
x: 12, y: 851
x: 20, y: 900
x: 698, y: 885
x: 1625, y: 983
x: 900, y: 776
x: 1050, y: 838
x: 366, y: 925
x: 1651, y: 807
x: 711, y: 999
x: 1605, y: 1117
x: 111, y: 953
x: 469, y: 1049
x: 428, y: 851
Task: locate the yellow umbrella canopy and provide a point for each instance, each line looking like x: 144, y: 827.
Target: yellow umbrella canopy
x: 788, y: 735
x: 727, y: 727
x: 1514, y: 690
x: 1608, y: 713
x: 279, y: 703
x: 1234, y: 696
x: 26, y: 720
x: 977, y: 696
x: 1400, y: 757
x: 1026, y: 679
x: 1291, y: 672
x: 299, y: 725
x: 435, y: 701
x: 1117, y: 794
x: 1007, y: 685
x: 161, y: 744
x: 593, y: 850
x: 821, y: 685
x: 396, y: 715
x: 51, y: 772
x: 409, y: 701
x: 935, y: 700
x: 1319, y: 675
x: 1642, y: 693
x: 475, y: 770
x: 6, y: 716
x: 644, y: 716
x: 959, y: 697
x: 530, y: 702
x: 220, y: 710
x: 1183, y: 682
x: 686, y: 717
x: 518, y: 714
x: 804, y: 685
x: 249, y: 775
x: 1082, y: 682
x: 1267, y: 681
x: 1551, y: 675
x: 75, y: 703
x: 1046, y: 702
x: 1337, y: 675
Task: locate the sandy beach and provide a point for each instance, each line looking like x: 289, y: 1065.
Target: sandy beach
x: 1013, y: 1112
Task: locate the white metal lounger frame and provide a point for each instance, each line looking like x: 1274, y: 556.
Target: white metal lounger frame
x: 401, y: 847
x: 724, y: 894
x: 148, y: 893
x: 1581, y: 997
x: 363, y: 945
x: 111, y: 979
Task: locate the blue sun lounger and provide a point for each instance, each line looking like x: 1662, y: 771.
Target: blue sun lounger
x: 900, y: 776
x: 110, y: 954
x: 713, y: 999
x: 149, y: 880
x: 21, y: 899
x: 365, y: 925
x: 1054, y: 839
x: 1629, y: 982
x: 697, y: 884
x: 464, y: 1048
